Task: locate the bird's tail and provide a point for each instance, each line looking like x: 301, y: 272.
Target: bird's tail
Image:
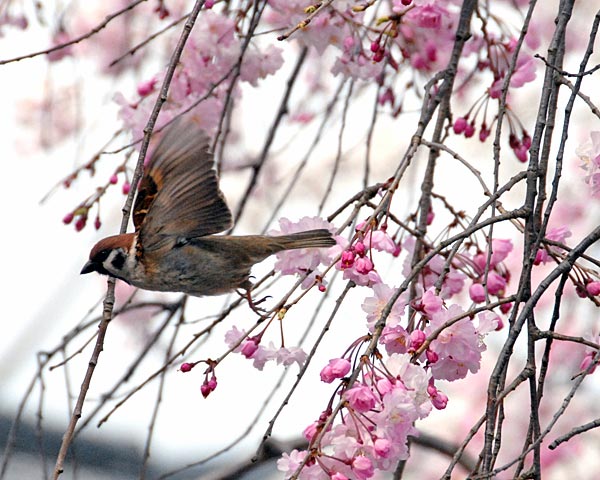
x: 309, y: 239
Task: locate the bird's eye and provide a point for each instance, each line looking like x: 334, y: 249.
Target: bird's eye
x: 102, y: 255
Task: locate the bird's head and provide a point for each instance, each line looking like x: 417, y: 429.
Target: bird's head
x: 109, y: 256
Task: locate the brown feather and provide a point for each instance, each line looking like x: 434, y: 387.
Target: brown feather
x: 110, y: 243
x: 179, y: 193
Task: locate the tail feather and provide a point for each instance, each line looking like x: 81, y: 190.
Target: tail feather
x: 308, y: 239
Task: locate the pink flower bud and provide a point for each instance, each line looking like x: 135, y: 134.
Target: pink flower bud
x: 360, y: 249
x: 540, y: 257
x: 505, y: 308
x: 249, y: 348
x: 126, y: 188
x: 460, y: 124
x: 339, y: 476
x: 80, y: 223
x: 68, y: 218
x: 205, y: 390
x: 382, y: 447
x: 310, y: 431
x: 438, y: 399
x: 378, y: 56
x: 347, y: 259
x: 375, y: 46
x: 209, y: 4
x: 593, y: 288
x: 484, y: 133
x: 186, y: 367
x: 470, y: 130
x: 208, y: 386
x: 495, y: 283
x: 417, y: 338
x: 337, y: 368
x: 432, y: 357
x: 587, y: 361
x: 430, y: 217
x: 349, y: 42
x: 322, y: 288
x: 477, y: 293
x: 363, y: 265
x: 97, y: 223
x: 113, y: 179
x: 521, y: 153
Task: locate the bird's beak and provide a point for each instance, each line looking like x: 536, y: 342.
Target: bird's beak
x: 89, y: 267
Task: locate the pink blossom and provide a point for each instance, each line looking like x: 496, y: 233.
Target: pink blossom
x: 454, y: 283
x: 458, y: 346
x: 289, y: 462
x: 310, y: 431
x: 270, y: 60
x: 290, y: 262
x: 427, y: 16
x: 488, y: 321
x: 362, y: 466
x: 363, y: 265
x: 61, y: 37
x: 233, y: 336
x: 524, y: 73
x: 374, y: 306
x: 430, y: 302
x: 589, y: 154
x: 289, y: 355
x: 558, y: 234
x: 337, y: 368
x: 500, y: 250
x: 396, y: 339
x: 360, y: 398
x: 381, y: 241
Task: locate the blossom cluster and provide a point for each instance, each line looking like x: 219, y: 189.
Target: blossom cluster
x: 389, y: 392
x: 210, y: 57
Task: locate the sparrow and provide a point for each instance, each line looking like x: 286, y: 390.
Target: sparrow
x: 178, y: 210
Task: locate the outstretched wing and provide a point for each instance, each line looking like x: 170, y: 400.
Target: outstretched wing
x: 179, y: 192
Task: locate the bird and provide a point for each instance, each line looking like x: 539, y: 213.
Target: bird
x: 178, y: 214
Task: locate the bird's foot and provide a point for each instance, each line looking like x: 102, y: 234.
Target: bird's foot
x: 254, y: 304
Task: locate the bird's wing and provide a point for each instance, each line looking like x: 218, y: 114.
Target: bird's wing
x: 179, y: 192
